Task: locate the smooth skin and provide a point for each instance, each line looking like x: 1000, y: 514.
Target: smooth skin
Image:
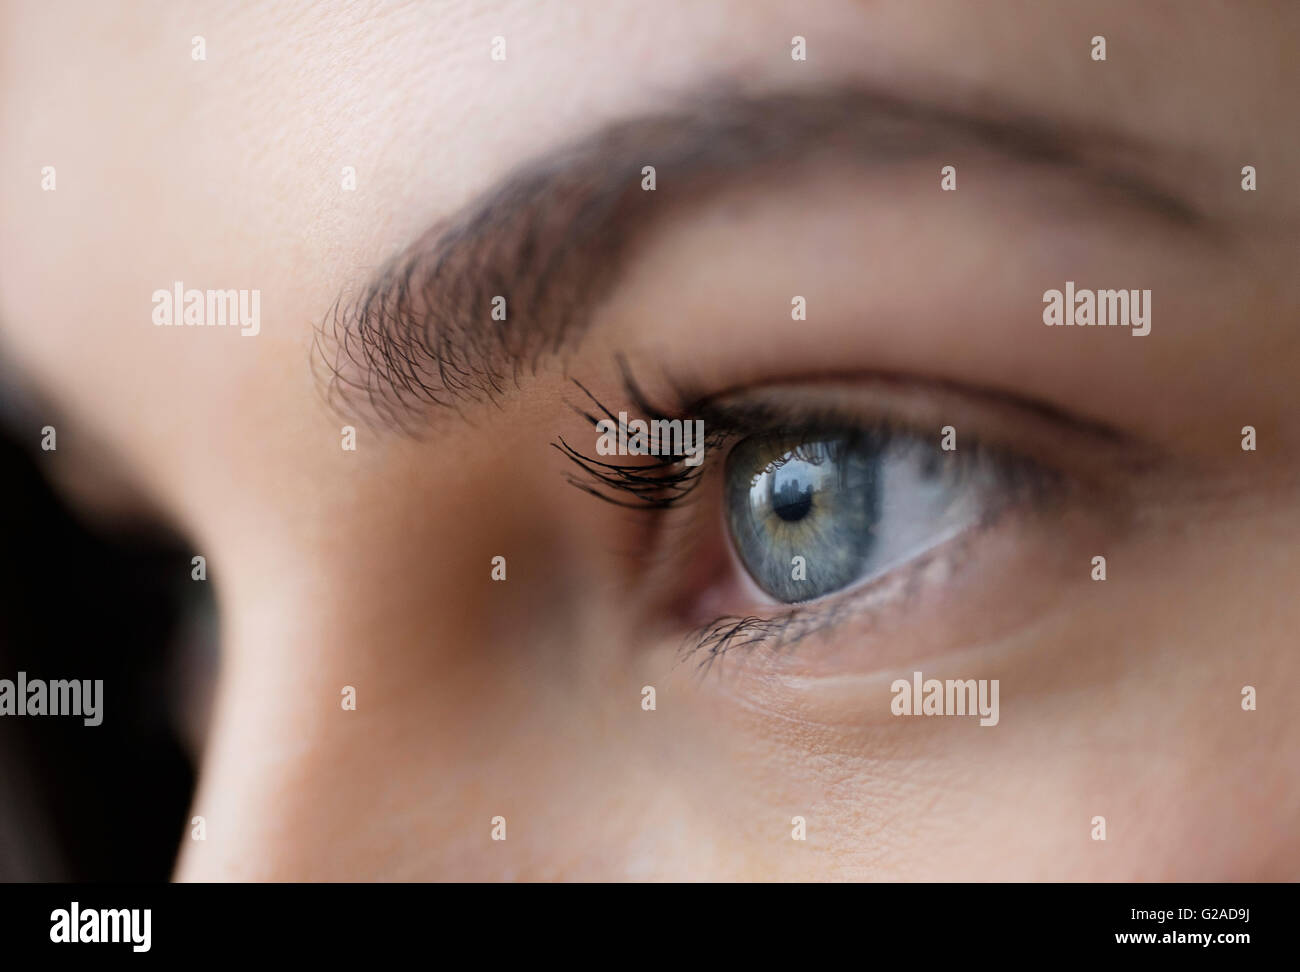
x: 523, y: 698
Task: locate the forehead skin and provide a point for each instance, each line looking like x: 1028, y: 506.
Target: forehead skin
x: 225, y: 173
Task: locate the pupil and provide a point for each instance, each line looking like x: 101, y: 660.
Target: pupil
x: 792, y: 496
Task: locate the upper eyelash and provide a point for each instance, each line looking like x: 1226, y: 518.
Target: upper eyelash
x: 650, y: 485
x: 665, y: 485
x: 660, y: 485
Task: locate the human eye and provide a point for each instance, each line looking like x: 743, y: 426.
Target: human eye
x: 814, y: 513
x: 820, y: 503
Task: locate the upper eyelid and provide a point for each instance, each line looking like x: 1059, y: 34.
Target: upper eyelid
x: 1096, y: 454
x: 731, y: 407
x: 1062, y: 456
x: 728, y: 417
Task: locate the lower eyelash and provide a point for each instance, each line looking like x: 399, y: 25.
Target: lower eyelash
x: 774, y: 634
x: 726, y: 633
x: 784, y: 631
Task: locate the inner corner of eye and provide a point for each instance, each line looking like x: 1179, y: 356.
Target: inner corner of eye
x: 809, y: 517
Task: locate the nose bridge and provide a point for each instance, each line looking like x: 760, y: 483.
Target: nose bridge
x: 330, y: 752
x: 270, y: 752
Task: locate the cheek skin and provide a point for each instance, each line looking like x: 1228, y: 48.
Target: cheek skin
x: 944, y: 799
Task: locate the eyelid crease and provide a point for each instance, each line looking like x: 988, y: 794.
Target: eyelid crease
x: 722, y: 409
x: 1100, y: 455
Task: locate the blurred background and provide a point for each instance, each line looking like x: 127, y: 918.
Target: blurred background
x: 107, y: 596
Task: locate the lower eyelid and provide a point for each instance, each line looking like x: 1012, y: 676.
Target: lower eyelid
x: 994, y: 579
x: 1014, y: 561
x: 774, y: 626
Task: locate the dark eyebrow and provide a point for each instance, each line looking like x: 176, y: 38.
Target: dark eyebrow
x: 551, y: 237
